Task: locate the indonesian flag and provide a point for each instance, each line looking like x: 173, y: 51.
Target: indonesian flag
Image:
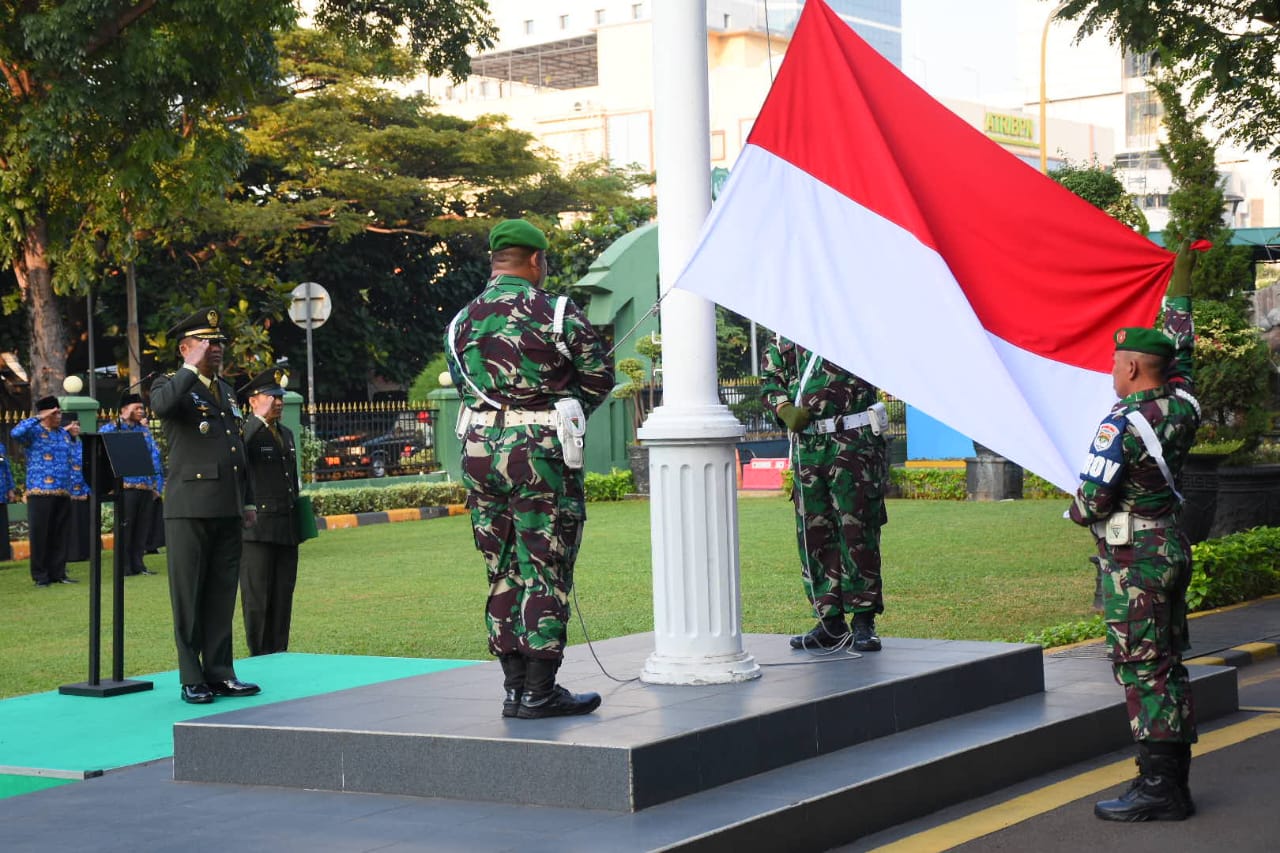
x: 870, y: 224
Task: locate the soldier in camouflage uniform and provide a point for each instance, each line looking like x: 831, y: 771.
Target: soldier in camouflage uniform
x: 839, y: 469
x: 527, y: 506
x: 1128, y: 497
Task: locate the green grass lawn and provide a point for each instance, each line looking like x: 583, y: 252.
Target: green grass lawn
x: 989, y: 571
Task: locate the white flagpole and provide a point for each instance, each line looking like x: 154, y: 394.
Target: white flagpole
x: 697, y: 609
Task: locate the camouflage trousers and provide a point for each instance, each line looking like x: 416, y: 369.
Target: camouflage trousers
x: 527, y: 512
x: 1144, y: 587
x: 839, y: 500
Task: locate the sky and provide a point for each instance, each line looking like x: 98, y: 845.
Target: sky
x: 963, y: 49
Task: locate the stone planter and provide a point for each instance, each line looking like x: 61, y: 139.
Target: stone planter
x: 638, y: 462
x: 990, y: 477
x: 1247, y: 497
x: 1199, y: 486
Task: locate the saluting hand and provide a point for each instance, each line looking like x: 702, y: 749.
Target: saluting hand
x: 250, y: 518
x: 193, y: 350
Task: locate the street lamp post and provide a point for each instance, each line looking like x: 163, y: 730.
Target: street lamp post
x: 1044, y: 135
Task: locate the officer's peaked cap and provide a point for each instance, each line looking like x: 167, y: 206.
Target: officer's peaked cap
x: 202, y: 324
x: 270, y: 382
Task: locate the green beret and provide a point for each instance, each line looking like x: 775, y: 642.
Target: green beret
x: 516, y: 232
x: 1138, y: 339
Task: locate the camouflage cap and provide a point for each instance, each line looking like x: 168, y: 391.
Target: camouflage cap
x: 1139, y: 339
x: 202, y: 324
x: 516, y: 232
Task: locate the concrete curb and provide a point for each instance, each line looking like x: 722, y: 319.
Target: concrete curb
x: 1238, y: 656
x: 362, y: 519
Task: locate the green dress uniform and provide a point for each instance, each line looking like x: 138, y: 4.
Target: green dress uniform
x: 205, y: 499
x: 269, y: 558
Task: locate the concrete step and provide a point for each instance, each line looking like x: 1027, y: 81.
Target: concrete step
x: 441, y: 735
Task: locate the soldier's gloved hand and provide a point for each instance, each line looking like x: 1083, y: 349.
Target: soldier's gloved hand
x: 1183, y: 265
x: 795, y: 418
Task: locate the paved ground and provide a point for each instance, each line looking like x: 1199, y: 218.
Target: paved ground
x: 1234, y: 779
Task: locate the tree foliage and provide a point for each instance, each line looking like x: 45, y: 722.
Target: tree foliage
x: 1225, y: 50
x: 376, y: 196
x: 1099, y: 186
x: 116, y: 117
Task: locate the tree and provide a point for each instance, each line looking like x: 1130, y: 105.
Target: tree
x: 373, y: 194
x: 118, y: 116
x: 1232, y: 362
x: 1100, y: 187
x: 1226, y: 51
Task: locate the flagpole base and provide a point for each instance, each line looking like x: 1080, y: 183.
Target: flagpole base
x: 727, y: 669
x: 693, y: 508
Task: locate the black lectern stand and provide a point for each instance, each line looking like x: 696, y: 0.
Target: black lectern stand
x: 108, y: 459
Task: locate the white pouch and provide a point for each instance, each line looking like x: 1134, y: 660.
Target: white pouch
x: 571, y: 426
x: 879, y: 418
x: 1119, y: 529
x: 464, y: 422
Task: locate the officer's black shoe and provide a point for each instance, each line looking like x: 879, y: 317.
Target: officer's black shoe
x: 1154, y: 795
x: 1184, y: 776
x: 864, y: 633
x: 144, y: 572
x: 558, y: 703
x: 827, y: 634
x: 67, y: 580
x: 197, y: 694
x: 233, y: 687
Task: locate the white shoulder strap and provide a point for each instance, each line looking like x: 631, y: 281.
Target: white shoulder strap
x: 804, y: 379
x: 1186, y: 395
x: 1152, y: 443
x: 457, y: 361
x: 557, y: 327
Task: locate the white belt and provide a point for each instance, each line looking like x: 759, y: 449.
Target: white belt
x: 840, y: 424
x: 1100, y: 527
x: 513, y: 417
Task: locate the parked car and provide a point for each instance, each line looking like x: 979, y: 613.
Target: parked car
x: 356, y: 456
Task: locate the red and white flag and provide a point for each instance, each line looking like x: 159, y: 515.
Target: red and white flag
x: 869, y: 223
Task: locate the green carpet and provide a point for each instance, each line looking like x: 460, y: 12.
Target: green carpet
x: 12, y: 786
x: 76, y: 735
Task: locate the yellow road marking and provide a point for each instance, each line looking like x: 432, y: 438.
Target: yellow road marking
x: 1053, y: 796
x: 1258, y: 651
x: 1259, y: 709
x: 1207, y: 660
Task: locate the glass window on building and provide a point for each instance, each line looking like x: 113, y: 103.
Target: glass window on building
x: 1141, y: 117
x: 637, y: 11
x: 1139, y: 64
x: 528, y: 27
x: 599, y: 16
x: 564, y: 22
x: 629, y: 140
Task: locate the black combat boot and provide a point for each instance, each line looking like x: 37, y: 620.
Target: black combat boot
x: 542, y: 697
x: 1154, y: 795
x: 864, y: 632
x: 513, y: 674
x: 1184, y: 777
x: 827, y: 634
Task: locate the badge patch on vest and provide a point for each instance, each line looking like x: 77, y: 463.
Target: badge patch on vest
x: 1107, y: 433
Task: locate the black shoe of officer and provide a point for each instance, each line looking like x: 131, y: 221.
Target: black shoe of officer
x: 1154, y: 795
x: 864, y: 633
x: 513, y: 676
x: 558, y: 703
x: 827, y: 634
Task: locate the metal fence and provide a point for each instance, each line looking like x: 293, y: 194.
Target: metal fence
x: 372, y: 439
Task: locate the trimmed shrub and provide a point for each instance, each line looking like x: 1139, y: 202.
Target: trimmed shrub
x: 613, y: 486
x: 929, y: 484
x: 1234, y: 568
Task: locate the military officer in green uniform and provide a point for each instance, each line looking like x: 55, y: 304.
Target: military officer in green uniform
x: 516, y: 354
x: 269, y: 559
x: 1128, y: 497
x: 838, y: 462
x: 208, y: 501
